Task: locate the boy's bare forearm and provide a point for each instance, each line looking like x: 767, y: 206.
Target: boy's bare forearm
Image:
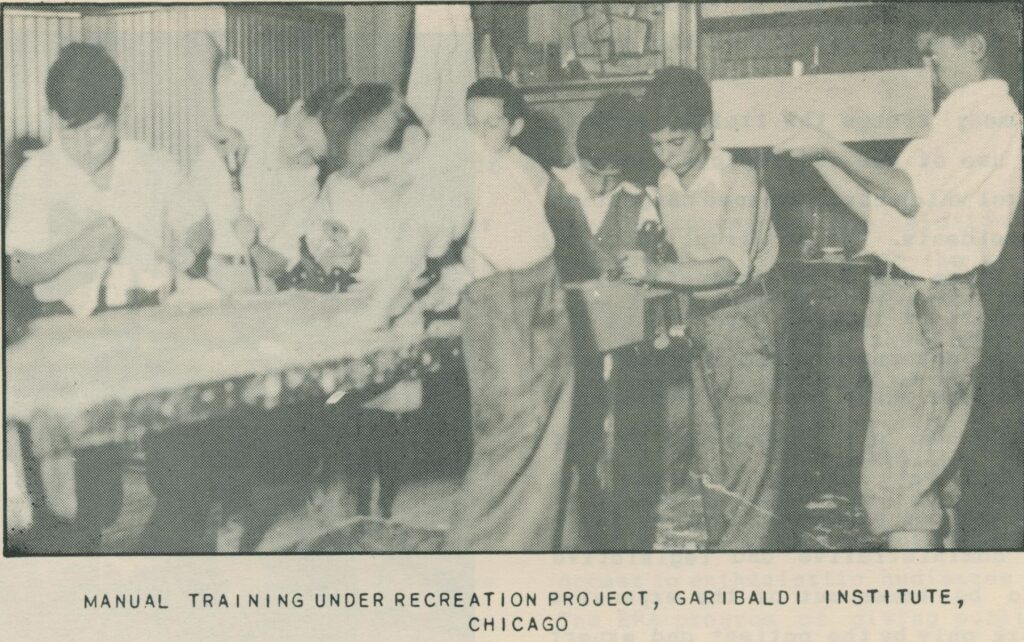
x: 848, y: 190
x: 698, y: 275
x: 889, y: 184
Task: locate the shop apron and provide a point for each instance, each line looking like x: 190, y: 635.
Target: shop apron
x: 518, y: 355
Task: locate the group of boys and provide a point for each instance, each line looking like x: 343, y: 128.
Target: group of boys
x: 100, y: 242
x: 533, y: 382
x: 935, y: 220
x: 533, y: 446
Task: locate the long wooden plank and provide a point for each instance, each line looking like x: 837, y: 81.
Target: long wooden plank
x: 875, y: 105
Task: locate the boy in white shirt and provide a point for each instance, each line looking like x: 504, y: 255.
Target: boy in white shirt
x: 276, y: 158
x: 516, y: 343
x: 936, y: 217
x: 96, y: 222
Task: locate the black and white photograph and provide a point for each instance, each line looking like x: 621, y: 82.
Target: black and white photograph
x: 327, y: 278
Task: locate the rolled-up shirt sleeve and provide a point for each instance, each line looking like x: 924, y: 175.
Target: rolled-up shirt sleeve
x: 967, y: 180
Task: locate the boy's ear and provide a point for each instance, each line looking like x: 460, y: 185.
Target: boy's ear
x: 978, y: 47
x: 517, y: 127
x: 296, y: 106
x: 707, y: 130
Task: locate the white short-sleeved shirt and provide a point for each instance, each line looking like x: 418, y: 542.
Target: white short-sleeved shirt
x: 276, y: 193
x: 510, y: 228
x: 723, y: 213
x: 967, y: 179
x: 53, y: 199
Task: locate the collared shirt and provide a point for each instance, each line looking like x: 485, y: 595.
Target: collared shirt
x: 966, y: 175
x: 53, y: 199
x: 719, y: 216
x: 510, y: 229
x: 276, y: 193
x: 595, y: 208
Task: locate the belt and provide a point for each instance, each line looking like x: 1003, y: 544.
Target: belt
x: 231, y: 259
x: 885, y: 269
x: 747, y: 292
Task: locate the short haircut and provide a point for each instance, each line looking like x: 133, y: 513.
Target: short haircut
x: 999, y: 23
x: 513, y: 103
x: 83, y: 83
x: 611, y: 135
x: 346, y: 115
x: 676, y: 98
x: 320, y: 100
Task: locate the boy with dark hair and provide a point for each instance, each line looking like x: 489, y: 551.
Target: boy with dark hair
x: 82, y: 65
x: 717, y: 217
x: 595, y: 212
x: 602, y: 180
x: 516, y: 343
x: 107, y: 235
x: 935, y: 219
x: 91, y: 224
x: 513, y: 105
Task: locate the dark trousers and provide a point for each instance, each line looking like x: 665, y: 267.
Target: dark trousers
x: 99, y: 494
x: 638, y: 389
x: 518, y: 356
x: 619, y: 483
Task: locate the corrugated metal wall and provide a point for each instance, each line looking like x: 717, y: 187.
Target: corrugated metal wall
x: 164, y: 88
x: 163, y: 103
x: 31, y: 42
x: 289, y: 52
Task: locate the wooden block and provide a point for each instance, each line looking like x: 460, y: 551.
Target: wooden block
x: 874, y: 105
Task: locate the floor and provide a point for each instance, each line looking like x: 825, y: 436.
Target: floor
x: 422, y: 508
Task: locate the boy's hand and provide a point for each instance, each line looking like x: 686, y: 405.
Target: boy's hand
x: 173, y: 252
x: 636, y: 266
x: 339, y: 249
x: 340, y: 255
x: 99, y: 241
x: 230, y: 144
x: 448, y: 290
x: 805, y: 141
